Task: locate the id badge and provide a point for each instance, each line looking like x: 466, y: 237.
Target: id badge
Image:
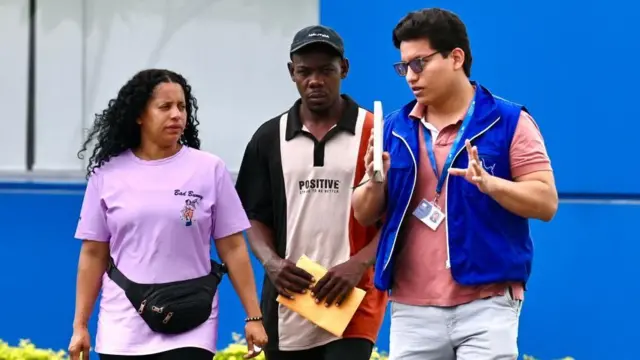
x: 430, y: 214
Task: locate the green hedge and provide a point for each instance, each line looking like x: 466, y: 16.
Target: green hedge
x: 28, y: 351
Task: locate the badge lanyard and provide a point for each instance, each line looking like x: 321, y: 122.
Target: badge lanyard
x: 454, y: 146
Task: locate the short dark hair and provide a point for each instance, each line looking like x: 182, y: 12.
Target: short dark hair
x: 443, y: 29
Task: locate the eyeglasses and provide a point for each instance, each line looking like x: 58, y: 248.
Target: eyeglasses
x: 417, y: 65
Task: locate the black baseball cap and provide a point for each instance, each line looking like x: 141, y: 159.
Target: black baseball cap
x: 317, y: 34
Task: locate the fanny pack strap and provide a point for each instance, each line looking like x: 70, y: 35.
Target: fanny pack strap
x: 117, y: 277
x: 125, y: 284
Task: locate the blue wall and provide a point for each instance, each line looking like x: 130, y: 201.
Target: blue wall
x: 38, y: 267
x: 580, y: 301
x: 38, y: 264
x: 567, y: 61
x: 572, y: 64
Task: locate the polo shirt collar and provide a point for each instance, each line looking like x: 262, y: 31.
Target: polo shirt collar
x: 347, y: 122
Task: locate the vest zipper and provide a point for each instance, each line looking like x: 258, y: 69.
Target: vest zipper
x: 446, y: 182
x: 413, y: 187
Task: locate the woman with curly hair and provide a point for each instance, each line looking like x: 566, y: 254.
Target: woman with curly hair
x: 153, y: 202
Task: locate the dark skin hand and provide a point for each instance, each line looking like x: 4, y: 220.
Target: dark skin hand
x: 336, y: 285
x: 287, y: 278
x: 338, y: 282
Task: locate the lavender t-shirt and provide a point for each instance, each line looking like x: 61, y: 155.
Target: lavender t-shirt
x: 158, y: 217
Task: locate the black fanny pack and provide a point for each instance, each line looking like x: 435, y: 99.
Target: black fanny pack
x: 175, y: 307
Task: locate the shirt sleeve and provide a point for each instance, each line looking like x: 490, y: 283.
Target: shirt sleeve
x: 528, y: 152
x: 228, y: 215
x: 254, y: 185
x: 92, y: 224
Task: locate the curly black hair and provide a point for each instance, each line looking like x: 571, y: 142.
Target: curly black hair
x: 116, y: 129
x: 442, y: 28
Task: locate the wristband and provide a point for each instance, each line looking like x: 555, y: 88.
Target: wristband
x: 252, y: 319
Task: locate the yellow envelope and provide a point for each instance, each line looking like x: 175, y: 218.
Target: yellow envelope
x: 334, y: 319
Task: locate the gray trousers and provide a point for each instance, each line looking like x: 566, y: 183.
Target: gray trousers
x: 485, y: 329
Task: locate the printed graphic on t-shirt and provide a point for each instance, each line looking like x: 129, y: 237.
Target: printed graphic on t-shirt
x: 319, y: 185
x: 190, y: 204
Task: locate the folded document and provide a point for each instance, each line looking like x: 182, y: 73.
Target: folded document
x: 333, y: 319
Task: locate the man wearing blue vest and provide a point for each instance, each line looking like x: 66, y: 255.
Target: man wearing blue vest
x: 464, y: 172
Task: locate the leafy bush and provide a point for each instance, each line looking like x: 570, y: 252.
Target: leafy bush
x: 27, y: 351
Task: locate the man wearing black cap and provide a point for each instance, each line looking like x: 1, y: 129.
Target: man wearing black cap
x: 296, y: 182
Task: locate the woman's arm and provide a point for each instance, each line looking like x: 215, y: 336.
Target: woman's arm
x: 92, y: 264
x: 233, y: 252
